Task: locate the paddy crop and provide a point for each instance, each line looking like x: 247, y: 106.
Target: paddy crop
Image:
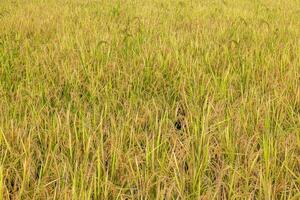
x: 160, y: 99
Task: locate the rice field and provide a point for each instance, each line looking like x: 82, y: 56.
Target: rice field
x: 149, y: 99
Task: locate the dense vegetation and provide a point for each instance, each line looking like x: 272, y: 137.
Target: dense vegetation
x: 152, y: 99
